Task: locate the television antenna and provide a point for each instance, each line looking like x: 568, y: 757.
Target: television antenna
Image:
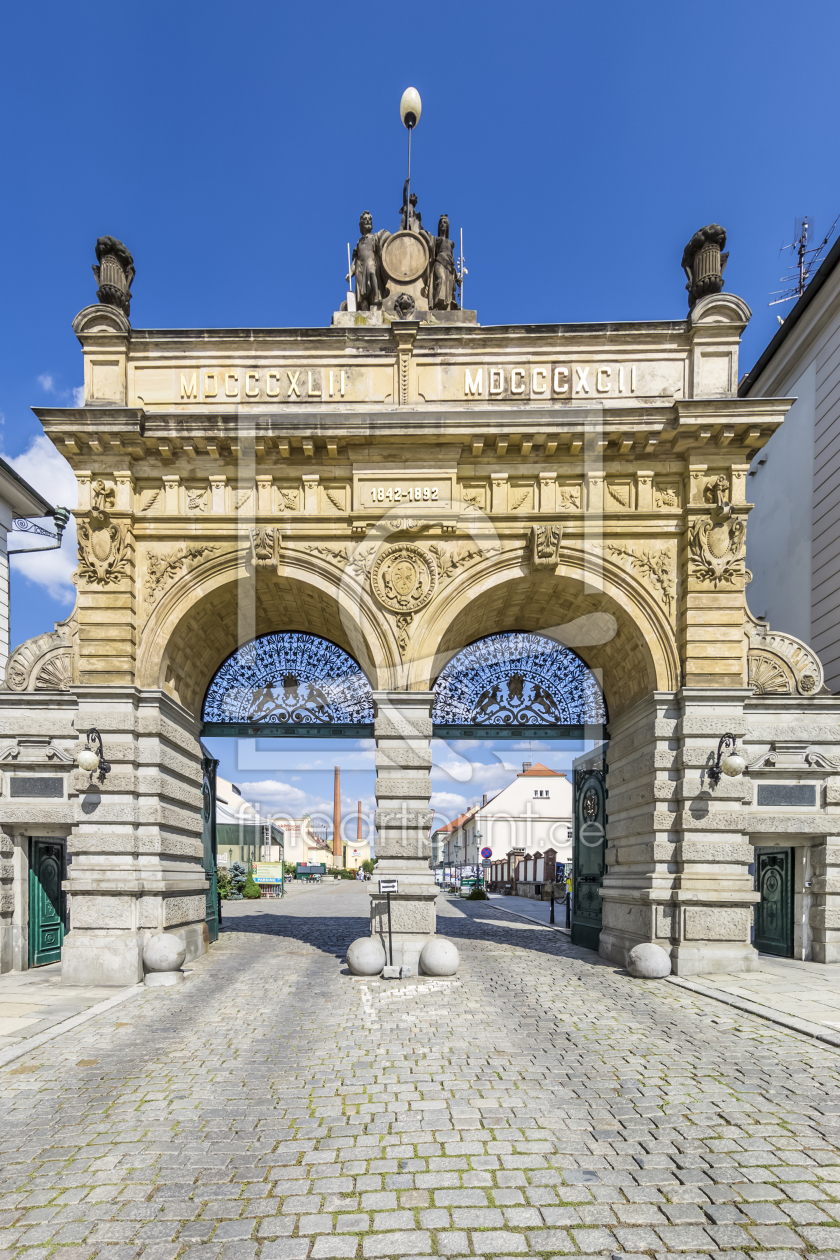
x: 798, y: 275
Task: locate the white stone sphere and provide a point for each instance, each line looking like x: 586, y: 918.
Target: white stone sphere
x: 164, y: 952
x: 366, y: 957
x: 648, y: 961
x: 439, y: 957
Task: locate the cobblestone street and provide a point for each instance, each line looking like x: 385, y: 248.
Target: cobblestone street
x: 541, y: 1102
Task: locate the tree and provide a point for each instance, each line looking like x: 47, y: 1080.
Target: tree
x: 369, y: 864
x: 252, y: 888
x: 238, y: 877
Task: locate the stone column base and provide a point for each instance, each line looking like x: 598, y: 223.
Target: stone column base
x: 102, y: 958
x: 413, y: 918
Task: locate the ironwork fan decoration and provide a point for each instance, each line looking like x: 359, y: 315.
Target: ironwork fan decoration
x: 517, y: 679
x: 289, y: 678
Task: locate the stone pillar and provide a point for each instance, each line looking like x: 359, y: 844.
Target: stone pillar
x: 403, y: 730
x: 824, y: 912
x: 136, y: 843
x: 677, y: 853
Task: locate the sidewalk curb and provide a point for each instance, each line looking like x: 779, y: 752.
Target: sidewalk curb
x: 67, y: 1025
x: 552, y: 927
x: 803, y: 1026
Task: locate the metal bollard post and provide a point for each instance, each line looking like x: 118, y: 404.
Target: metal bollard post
x: 551, y: 915
x: 568, y: 909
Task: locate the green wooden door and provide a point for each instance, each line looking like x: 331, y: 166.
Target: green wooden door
x: 774, y: 913
x: 208, y: 830
x: 47, y: 918
x: 588, y: 864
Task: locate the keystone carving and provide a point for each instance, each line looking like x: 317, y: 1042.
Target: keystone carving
x: 264, y: 546
x: 545, y: 545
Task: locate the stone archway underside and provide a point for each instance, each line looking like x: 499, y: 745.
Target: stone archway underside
x: 561, y: 608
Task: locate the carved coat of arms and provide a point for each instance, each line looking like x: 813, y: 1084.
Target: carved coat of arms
x: 716, y: 542
x: 103, y: 550
x: 403, y: 579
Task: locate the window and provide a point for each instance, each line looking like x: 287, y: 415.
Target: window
x: 543, y: 792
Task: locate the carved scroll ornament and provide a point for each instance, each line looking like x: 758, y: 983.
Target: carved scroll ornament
x: 545, y: 545
x: 716, y: 545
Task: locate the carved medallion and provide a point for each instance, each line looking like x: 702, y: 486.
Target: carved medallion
x: 404, y: 578
x: 590, y: 805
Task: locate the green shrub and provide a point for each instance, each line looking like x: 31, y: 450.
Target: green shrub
x: 368, y: 865
x: 477, y: 894
x: 252, y: 888
x: 224, y: 883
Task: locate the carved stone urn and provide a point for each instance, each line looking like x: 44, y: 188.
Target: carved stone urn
x: 703, y: 263
x: 114, y: 273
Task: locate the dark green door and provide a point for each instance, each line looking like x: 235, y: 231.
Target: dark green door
x: 208, y: 861
x: 47, y: 918
x: 774, y: 913
x: 590, y: 821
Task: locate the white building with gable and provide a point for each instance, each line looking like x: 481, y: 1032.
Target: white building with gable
x: 532, y: 814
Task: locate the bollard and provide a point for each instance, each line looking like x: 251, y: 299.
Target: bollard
x: 568, y: 909
x: 551, y: 914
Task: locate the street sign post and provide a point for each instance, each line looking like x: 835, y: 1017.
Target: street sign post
x: 388, y: 886
x: 486, y: 853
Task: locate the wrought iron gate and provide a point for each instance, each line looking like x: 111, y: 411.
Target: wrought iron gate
x: 774, y: 913
x: 588, y: 854
x: 208, y: 835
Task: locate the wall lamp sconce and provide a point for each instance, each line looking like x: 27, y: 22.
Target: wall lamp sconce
x: 92, y: 756
x: 728, y: 761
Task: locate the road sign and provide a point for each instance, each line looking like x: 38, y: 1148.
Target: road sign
x: 486, y: 853
x: 388, y: 885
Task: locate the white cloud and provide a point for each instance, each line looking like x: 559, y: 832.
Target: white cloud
x: 78, y: 396
x: 49, y: 473
x: 47, y: 383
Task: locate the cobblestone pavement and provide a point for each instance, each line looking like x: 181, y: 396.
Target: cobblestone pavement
x: 541, y: 1103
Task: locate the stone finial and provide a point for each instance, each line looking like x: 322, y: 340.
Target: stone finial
x: 114, y: 273
x: 703, y: 263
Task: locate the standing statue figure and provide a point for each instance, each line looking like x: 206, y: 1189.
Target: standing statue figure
x: 444, y: 275
x: 412, y: 221
x: 367, y: 265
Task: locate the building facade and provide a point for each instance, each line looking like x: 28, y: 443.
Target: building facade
x: 794, y: 545
x: 399, y: 486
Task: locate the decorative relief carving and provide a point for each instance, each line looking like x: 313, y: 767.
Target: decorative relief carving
x: 242, y: 496
x: 450, y: 557
x: 545, y: 545
x: 779, y: 664
x: 568, y: 498
x: 620, y: 494
x: 288, y: 500
x: 473, y: 497
x: 336, y: 496
x: 197, y: 499
x: 149, y: 499
x: 264, y: 546
x: 103, y: 545
x: 667, y: 495
x: 163, y: 569
x: 716, y: 542
x: 102, y: 497
x: 40, y: 664
x: 518, y: 497
x: 403, y: 579
x: 656, y: 566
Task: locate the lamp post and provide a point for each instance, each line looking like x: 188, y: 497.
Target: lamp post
x: 410, y: 109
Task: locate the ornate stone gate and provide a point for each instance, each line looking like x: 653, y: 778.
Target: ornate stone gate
x: 402, y: 488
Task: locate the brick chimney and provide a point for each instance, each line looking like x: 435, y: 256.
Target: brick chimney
x: 337, y: 813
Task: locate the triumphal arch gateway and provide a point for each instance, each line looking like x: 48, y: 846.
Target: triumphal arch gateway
x: 396, y: 487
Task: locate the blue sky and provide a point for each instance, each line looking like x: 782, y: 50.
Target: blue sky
x: 233, y: 146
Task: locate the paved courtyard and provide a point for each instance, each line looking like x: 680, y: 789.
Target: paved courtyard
x: 541, y: 1102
